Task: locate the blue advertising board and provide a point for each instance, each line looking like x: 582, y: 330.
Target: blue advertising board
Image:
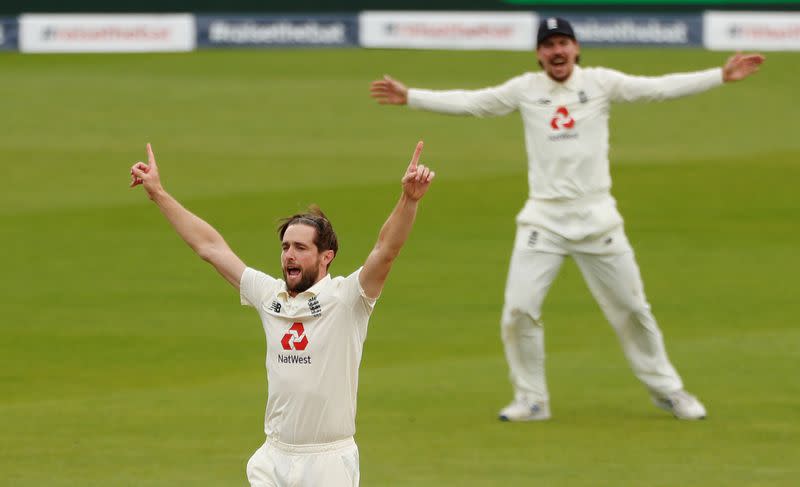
x: 9, y: 33
x: 634, y: 29
x: 277, y: 30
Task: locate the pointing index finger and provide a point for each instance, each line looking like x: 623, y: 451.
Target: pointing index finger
x: 151, y: 158
x: 415, y: 157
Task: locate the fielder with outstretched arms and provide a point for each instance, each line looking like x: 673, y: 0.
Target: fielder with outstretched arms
x: 570, y: 210
x: 315, y: 327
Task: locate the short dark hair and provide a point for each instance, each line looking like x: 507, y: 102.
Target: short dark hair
x: 324, y: 238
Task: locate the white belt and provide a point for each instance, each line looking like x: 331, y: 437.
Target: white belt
x: 311, y: 447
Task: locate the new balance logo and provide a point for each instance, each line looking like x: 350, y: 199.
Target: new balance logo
x: 295, y: 338
x: 275, y: 307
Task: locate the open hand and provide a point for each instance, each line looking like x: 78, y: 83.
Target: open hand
x: 740, y: 66
x: 388, y: 91
x: 418, y: 177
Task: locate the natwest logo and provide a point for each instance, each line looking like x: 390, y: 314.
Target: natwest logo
x: 562, y: 119
x: 295, y: 338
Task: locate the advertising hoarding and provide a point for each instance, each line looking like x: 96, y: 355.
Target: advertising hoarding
x: 106, y: 33
x: 8, y: 34
x: 277, y: 31
x: 635, y: 29
x: 448, y: 30
x: 766, y: 31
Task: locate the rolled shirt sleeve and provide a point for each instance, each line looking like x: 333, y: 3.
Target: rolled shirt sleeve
x: 255, y: 286
x: 355, y: 294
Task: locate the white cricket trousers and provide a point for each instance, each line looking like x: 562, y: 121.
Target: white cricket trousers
x: 278, y: 464
x: 609, y: 267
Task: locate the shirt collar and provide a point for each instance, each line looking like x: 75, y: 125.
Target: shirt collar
x: 313, y: 290
x: 572, y: 83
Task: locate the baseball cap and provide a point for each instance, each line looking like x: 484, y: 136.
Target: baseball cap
x: 551, y: 26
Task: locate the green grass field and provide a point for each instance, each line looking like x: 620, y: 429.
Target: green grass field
x: 126, y: 361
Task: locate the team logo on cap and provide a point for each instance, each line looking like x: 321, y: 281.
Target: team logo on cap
x: 562, y: 119
x: 295, y: 338
x: 552, y: 23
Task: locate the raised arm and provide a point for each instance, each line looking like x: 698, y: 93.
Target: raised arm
x: 395, y: 231
x: 200, y: 236
x: 486, y: 102
x: 632, y: 88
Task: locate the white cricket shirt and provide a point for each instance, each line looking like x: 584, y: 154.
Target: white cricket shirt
x: 314, y: 346
x: 566, y: 135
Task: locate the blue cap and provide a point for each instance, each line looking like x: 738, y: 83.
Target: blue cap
x: 552, y: 26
